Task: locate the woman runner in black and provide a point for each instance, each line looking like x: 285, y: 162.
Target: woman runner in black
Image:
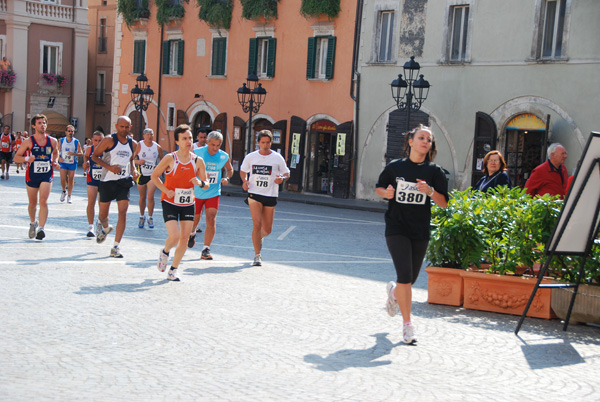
x: 410, y: 185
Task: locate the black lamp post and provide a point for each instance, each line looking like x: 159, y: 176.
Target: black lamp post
x: 410, y: 94
x: 251, y: 96
x: 141, y: 96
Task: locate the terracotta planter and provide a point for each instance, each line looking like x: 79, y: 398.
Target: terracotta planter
x: 505, y: 294
x: 444, y: 286
x: 586, y: 307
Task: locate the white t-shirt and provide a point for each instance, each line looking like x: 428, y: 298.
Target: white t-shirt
x: 263, y: 170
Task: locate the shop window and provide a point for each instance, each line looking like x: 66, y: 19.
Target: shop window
x: 321, y: 57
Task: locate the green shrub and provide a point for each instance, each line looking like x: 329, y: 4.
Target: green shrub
x: 216, y: 13
x: 314, y: 8
x: 254, y: 9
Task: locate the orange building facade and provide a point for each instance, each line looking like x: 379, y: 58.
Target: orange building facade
x: 195, y: 71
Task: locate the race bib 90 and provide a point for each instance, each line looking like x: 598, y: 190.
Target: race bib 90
x: 408, y: 193
x: 184, y: 196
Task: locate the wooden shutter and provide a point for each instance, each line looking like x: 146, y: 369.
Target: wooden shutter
x: 271, y: 57
x: 237, y: 148
x: 297, y: 126
x: 396, y: 130
x: 220, y: 125
x: 218, y: 56
x: 252, y: 56
x: 166, y: 54
x: 139, y: 56
x: 484, y: 141
x: 180, y: 48
x: 310, y: 57
x: 330, y: 63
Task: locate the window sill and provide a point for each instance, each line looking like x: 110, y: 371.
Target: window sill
x: 454, y: 62
x: 383, y: 63
x: 319, y: 79
x: 172, y: 75
x: 548, y: 60
x: 216, y: 77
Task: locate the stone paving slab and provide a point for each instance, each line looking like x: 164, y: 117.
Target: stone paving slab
x: 309, y: 325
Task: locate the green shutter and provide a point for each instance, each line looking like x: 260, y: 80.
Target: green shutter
x: 271, y: 57
x: 139, y: 56
x: 330, y: 57
x: 310, y: 58
x: 180, y: 48
x: 219, y: 48
x: 252, y: 56
x: 165, y: 57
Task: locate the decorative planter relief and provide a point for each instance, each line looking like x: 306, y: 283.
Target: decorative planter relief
x: 505, y: 294
x: 445, y: 286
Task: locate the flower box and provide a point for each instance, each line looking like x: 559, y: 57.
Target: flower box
x: 586, y: 307
x: 505, y: 294
x: 444, y: 286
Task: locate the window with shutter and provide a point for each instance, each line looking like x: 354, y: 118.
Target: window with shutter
x: 139, y: 56
x: 252, y: 55
x: 219, y: 48
x: 310, y: 58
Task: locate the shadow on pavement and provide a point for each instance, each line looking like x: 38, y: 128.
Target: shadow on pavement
x: 347, y: 358
x: 552, y: 354
x: 216, y: 270
x: 121, y: 287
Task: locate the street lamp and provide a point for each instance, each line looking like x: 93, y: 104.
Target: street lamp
x: 415, y: 91
x: 251, y: 96
x: 141, y: 96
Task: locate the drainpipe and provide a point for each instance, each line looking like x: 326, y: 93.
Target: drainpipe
x: 355, y: 83
x: 162, y: 34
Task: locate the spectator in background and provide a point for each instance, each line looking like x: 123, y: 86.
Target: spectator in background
x: 494, y: 169
x: 551, y: 176
x: 5, y: 64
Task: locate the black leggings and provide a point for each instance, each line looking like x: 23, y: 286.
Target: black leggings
x: 407, y: 255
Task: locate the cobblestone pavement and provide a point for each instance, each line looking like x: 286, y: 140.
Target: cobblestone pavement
x: 309, y: 325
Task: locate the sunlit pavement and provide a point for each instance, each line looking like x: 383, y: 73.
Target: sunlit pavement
x: 308, y: 325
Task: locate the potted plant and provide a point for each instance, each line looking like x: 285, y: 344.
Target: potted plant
x: 587, y: 302
x: 7, y: 79
x: 456, y: 244
x: 502, y: 230
x: 216, y: 13
x: 132, y: 11
x: 316, y: 8
x: 255, y: 9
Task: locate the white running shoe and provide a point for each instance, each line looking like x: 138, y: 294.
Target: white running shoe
x: 32, y: 229
x: 63, y: 195
x: 409, y: 333
x: 163, y: 261
x: 101, y: 233
x: 69, y: 200
x: 391, y: 305
x: 257, y: 261
x: 173, y: 276
x: 115, y: 252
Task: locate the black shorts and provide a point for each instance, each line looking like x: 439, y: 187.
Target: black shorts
x: 115, y: 190
x: 7, y: 156
x: 177, y: 213
x: 407, y: 255
x: 143, y: 180
x: 263, y: 199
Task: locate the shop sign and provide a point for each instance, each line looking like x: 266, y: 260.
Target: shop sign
x: 340, y: 148
x: 323, y: 125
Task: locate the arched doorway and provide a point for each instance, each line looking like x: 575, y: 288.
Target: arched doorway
x: 525, y: 146
x: 201, y: 120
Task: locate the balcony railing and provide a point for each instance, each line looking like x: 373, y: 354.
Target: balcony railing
x: 48, y: 11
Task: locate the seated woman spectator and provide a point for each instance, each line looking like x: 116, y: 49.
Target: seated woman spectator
x: 494, y: 169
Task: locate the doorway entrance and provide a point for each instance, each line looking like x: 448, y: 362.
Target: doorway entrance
x: 526, y: 139
x: 320, y: 166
